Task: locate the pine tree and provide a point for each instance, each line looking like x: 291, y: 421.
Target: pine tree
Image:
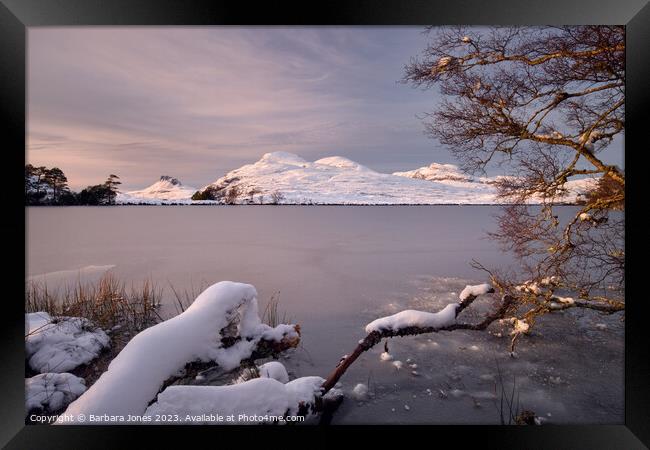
x: 56, y: 179
x: 111, y: 185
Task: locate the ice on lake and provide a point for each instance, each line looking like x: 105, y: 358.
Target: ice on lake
x: 337, y: 269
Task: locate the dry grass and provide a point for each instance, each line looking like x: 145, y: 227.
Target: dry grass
x: 109, y: 302
x: 183, y: 299
x: 270, y: 316
x: 106, y: 303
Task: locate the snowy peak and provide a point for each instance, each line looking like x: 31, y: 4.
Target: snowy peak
x: 341, y: 163
x: 167, y: 188
x: 436, y: 172
x: 173, y: 181
x: 165, y: 184
x: 282, y: 158
x: 282, y: 177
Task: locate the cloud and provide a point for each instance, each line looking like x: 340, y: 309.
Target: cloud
x: 196, y: 102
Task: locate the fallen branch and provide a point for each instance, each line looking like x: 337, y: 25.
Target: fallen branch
x: 265, y: 348
x: 222, y: 326
x: 375, y: 336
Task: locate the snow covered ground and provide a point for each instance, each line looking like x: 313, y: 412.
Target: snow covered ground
x: 251, y: 402
x: 50, y: 392
x: 335, y: 180
x: 61, y: 344
x: 154, y: 355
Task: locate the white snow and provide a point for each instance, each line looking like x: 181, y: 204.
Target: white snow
x: 360, y: 391
x: 60, y: 344
x: 520, y: 326
x: 134, y: 377
x: 444, y: 61
x: 275, y: 370
x: 336, y: 180
x: 476, y: 290
x: 412, y: 318
x: 398, y: 364
x: 437, y: 172
x: 561, y: 302
x: 547, y: 281
x: 533, y: 287
x: 50, y: 392
x: 588, y: 139
x: 167, y: 189
x: 253, y: 399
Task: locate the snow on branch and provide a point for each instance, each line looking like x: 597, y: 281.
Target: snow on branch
x: 411, y: 318
x: 475, y: 291
x: 411, y: 322
x: 606, y: 306
x: 221, y: 326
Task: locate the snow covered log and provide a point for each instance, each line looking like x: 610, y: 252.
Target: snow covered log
x: 251, y: 402
x: 221, y: 326
x: 411, y: 322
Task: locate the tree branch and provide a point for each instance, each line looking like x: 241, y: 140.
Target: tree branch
x: 374, y: 337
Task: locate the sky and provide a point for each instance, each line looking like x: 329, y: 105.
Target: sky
x: 197, y: 102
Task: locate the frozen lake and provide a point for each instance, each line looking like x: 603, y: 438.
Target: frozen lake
x: 338, y: 268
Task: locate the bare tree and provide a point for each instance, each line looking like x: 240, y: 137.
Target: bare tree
x: 276, y: 197
x: 541, y: 103
x: 232, y: 195
x: 252, y: 193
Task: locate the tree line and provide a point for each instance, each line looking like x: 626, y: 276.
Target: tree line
x: 49, y: 186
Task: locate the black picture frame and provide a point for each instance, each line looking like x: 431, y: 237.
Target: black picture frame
x: 16, y: 15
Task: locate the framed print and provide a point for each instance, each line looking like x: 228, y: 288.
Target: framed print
x: 326, y: 219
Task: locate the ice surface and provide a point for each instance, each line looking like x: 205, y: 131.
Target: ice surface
x: 360, y: 391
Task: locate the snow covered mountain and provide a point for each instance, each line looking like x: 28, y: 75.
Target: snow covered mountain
x: 288, y: 178
x: 452, y: 175
x: 436, y: 172
x: 167, y: 189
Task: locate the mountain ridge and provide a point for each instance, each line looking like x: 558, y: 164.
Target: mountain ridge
x: 282, y: 177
